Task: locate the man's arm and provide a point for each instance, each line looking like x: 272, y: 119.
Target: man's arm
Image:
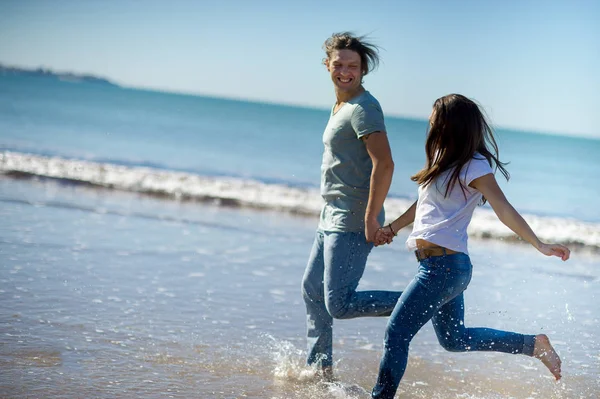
x: 378, y: 147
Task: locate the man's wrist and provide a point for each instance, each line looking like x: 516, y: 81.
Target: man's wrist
x: 370, y: 217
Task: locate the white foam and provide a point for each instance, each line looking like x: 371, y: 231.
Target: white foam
x: 169, y: 183
x: 256, y: 194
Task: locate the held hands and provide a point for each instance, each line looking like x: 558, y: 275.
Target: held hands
x: 384, y: 235
x: 378, y: 235
x: 555, y: 250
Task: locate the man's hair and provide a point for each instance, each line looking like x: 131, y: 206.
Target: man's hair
x: 368, y: 52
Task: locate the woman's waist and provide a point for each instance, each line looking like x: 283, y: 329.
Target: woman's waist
x: 446, y: 238
x: 424, y: 244
x: 426, y: 249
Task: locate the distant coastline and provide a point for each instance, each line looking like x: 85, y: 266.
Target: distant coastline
x: 47, y: 73
x: 77, y: 78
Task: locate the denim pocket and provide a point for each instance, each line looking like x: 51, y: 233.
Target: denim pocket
x: 431, y: 275
x: 459, y: 264
x: 459, y: 269
x: 447, y: 275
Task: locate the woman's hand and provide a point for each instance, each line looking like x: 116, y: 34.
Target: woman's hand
x: 555, y: 250
x: 383, y: 235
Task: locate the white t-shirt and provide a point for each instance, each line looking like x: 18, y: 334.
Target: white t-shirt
x: 444, y: 220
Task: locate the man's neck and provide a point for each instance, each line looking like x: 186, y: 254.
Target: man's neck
x: 345, y: 96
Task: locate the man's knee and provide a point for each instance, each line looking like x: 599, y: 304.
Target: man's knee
x: 309, y: 291
x: 337, y: 306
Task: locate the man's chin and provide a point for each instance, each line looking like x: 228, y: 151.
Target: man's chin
x: 346, y: 89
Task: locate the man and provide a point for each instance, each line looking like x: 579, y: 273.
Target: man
x: 356, y: 174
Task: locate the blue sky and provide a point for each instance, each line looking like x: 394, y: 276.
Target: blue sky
x: 533, y: 65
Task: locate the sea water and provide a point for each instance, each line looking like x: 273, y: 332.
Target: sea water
x: 152, y: 245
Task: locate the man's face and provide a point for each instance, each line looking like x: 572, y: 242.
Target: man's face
x: 345, y: 70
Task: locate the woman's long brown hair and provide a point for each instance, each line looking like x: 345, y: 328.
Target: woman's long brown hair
x: 457, y: 131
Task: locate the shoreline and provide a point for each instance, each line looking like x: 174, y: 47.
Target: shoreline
x: 131, y: 288
x: 233, y: 203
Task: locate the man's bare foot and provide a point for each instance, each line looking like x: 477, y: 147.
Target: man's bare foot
x: 316, y: 374
x: 327, y: 374
x: 546, y: 353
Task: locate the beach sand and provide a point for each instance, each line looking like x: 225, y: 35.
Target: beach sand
x: 108, y: 294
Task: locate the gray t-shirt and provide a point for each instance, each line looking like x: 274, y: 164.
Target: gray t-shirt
x: 347, y: 166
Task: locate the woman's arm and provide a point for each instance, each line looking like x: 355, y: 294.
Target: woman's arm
x: 404, y: 220
x: 488, y: 186
x: 385, y: 235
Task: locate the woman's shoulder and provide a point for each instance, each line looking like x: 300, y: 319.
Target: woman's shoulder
x: 478, y: 164
x: 479, y: 159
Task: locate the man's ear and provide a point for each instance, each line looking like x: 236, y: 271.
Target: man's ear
x: 326, y: 63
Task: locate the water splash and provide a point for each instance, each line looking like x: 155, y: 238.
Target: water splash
x: 569, y: 314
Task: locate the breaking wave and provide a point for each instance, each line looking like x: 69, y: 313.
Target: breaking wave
x: 242, y: 192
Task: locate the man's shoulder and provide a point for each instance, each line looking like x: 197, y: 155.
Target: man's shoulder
x: 366, y: 99
x: 367, y: 105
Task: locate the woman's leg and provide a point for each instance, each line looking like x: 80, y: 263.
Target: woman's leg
x: 452, y: 334
x: 419, y: 302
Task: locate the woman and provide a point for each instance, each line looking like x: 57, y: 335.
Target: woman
x: 460, y: 154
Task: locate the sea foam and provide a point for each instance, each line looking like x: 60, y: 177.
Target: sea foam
x: 239, y: 192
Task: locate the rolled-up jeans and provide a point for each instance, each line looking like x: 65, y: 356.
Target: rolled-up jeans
x: 336, y: 264
x: 436, y: 293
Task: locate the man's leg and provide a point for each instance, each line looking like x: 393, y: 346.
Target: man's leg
x: 318, y: 321
x: 345, y: 259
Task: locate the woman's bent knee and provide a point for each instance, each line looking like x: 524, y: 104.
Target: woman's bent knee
x: 453, y: 344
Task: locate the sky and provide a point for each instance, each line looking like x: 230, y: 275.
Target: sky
x: 533, y: 65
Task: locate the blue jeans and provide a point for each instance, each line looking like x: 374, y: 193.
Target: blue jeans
x: 436, y: 293
x: 336, y: 264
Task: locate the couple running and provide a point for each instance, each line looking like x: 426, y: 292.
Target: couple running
x: 356, y: 173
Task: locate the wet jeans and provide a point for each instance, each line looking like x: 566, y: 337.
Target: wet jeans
x: 336, y: 264
x: 436, y: 294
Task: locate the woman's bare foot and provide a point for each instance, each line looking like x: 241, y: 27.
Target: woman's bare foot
x: 546, y: 353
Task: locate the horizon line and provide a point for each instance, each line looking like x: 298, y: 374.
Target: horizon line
x: 157, y: 89
x: 515, y: 129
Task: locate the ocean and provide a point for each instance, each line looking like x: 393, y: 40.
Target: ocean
x: 152, y: 245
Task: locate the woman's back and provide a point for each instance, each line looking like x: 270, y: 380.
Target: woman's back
x: 442, y: 216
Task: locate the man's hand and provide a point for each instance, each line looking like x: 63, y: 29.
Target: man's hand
x: 383, y: 236
x: 376, y: 234
x: 371, y: 227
